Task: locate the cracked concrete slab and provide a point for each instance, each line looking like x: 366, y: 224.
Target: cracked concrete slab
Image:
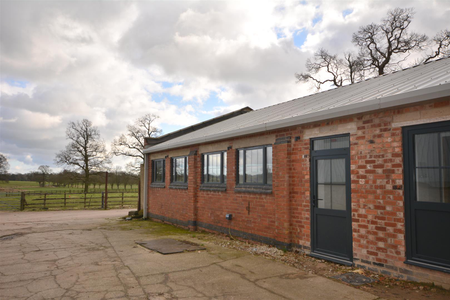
x: 81, y: 255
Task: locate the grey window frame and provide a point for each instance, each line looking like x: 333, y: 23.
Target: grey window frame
x: 222, y: 167
x: 264, y: 184
x: 172, y: 171
x: 154, y: 170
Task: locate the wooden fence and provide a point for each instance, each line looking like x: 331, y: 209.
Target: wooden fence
x: 67, y: 200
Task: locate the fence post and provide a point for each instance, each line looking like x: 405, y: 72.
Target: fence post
x: 45, y: 200
x: 122, y: 201
x: 106, y: 190
x: 65, y: 199
x: 85, y: 199
x: 103, y: 199
x: 22, y: 200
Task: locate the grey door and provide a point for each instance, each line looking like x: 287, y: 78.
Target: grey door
x: 427, y: 195
x: 331, y: 232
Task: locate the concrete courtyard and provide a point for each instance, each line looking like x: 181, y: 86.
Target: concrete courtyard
x: 89, y: 255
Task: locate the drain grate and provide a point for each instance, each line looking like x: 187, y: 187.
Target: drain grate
x: 170, y: 246
x: 355, y: 278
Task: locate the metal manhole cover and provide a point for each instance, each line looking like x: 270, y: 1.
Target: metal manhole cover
x: 169, y: 246
x: 355, y: 278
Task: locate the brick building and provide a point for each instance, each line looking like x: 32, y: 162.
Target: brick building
x: 356, y: 175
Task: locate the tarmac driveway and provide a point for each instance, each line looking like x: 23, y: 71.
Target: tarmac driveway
x: 89, y: 255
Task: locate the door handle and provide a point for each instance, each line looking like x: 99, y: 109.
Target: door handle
x: 315, y: 201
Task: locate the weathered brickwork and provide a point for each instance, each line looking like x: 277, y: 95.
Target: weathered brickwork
x: 282, y: 217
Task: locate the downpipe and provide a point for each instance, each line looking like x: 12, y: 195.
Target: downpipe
x: 145, y: 206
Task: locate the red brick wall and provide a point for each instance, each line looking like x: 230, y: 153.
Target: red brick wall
x: 284, y: 215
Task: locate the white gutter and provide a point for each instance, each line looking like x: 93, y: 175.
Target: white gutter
x: 145, y: 215
x: 425, y: 94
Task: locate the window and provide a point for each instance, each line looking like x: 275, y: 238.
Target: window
x: 255, y: 165
x: 215, y: 168
x: 180, y: 170
x: 158, y: 170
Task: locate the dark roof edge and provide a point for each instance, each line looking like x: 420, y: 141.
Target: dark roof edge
x: 152, y: 141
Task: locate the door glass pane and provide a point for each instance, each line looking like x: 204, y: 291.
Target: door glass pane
x: 254, y: 166
x: 324, y: 183
x: 446, y: 185
x: 332, y: 143
x: 427, y: 150
x: 445, y: 145
x: 340, y: 142
x: 269, y: 165
x: 428, y: 185
x: 331, y: 189
x: 338, y: 184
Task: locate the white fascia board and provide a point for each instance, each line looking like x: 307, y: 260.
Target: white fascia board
x: 435, y: 92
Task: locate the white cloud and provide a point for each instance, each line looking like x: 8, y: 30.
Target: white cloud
x: 105, y: 60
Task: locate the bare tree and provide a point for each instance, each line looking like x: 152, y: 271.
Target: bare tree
x: 382, y: 48
x: 442, y: 43
x: 337, y: 71
x: 4, y: 167
x: 131, y: 144
x: 85, y: 151
x: 45, y: 172
x: 381, y: 45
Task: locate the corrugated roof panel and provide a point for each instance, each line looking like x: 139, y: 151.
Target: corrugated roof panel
x: 416, y: 78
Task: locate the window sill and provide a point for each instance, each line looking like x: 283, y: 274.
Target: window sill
x: 213, y: 187
x: 256, y: 189
x: 158, y: 185
x: 178, y: 186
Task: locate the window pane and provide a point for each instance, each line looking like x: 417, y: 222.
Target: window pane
x: 427, y: 150
x: 224, y: 167
x: 332, y: 143
x: 445, y: 152
x: 446, y: 185
x: 179, y: 169
x: 254, y: 166
x: 241, y: 166
x: 158, y: 171
x: 428, y: 185
x: 214, y: 168
x: 269, y: 165
x: 205, y: 166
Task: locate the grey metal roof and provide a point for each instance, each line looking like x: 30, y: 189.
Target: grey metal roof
x: 419, y: 83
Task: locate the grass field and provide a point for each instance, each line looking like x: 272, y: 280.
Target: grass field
x: 37, y: 198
